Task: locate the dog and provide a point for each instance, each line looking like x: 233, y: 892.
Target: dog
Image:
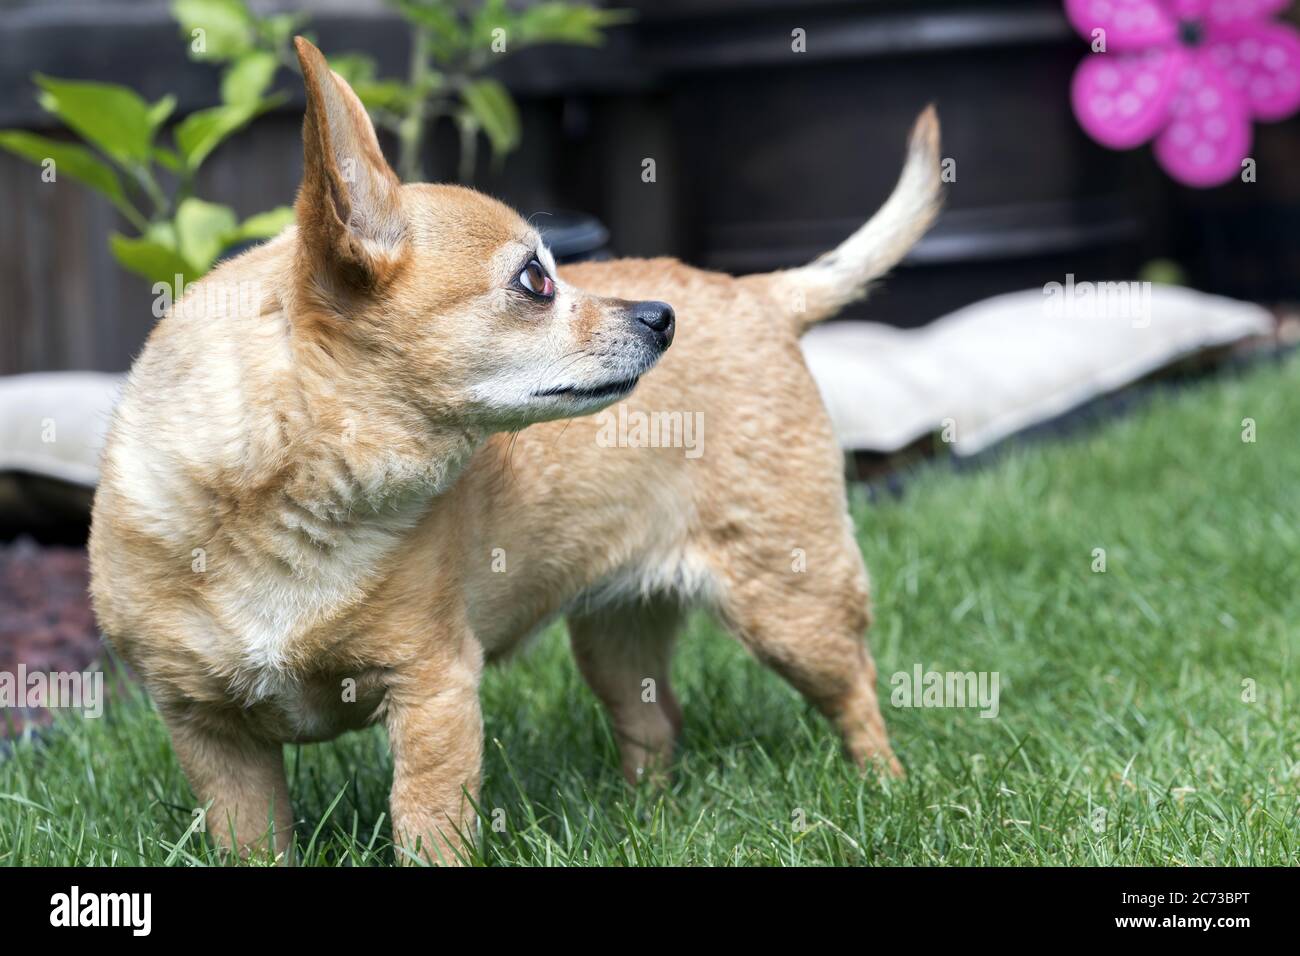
x: 328, y: 509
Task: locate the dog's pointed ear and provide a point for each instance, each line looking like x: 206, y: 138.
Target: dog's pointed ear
x: 349, y: 209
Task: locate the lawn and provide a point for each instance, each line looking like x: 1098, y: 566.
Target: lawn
x: 1147, y: 713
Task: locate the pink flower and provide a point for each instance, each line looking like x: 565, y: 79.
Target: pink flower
x: 1191, y: 73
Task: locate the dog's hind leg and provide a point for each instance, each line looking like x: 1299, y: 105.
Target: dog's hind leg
x: 625, y: 654
x: 802, y: 607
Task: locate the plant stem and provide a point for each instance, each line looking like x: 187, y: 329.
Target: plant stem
x: 468, y: 130
x: 150, y: 186
x: 410, y: 134
x: 185, y: 187
x: 133, y: 216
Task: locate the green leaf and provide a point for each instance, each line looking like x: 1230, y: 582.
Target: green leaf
x: 277, y: 30
x: 447, y: 37
x: 493, y: 108
x: 359, y: 71
x: 203, y: 131
x: 228, y: 28
x: 438, y: 16
x: 556, y: 22
x: 262, y: 226
x: 163, y: 232
x: 168, y: 159
x: 490, y: 16
x: 389, y: 95
x: 113, y: 118
x: 151, y: 259
x: 353, y: 67
x: 247, y: 79
x: 201, y: 230
x: 71, y: 160
x: 160, y: 111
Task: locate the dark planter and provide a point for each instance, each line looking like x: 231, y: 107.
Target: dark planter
x: 573, y: 236
x: 790, y: 152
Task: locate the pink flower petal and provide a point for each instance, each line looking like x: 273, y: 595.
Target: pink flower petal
x: 1209, y: 129
x: 1129, y: 24
x: 1187, y: 9
x: 1122, y: 100
x: 1262, y: 62
x: 1237, y: 11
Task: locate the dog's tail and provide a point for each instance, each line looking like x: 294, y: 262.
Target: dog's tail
x: 826, y: 285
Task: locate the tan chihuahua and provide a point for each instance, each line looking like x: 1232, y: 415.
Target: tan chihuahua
x: 327, y: 508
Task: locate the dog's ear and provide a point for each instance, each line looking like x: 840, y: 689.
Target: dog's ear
x: 349, y: 210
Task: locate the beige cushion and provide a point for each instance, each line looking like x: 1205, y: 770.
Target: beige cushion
x: 53, y: 424
x: 1004, y: 364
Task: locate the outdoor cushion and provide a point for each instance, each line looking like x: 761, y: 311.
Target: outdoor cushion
x: 1007, y: 363
x: 53, y: 424
x: 52, y: 427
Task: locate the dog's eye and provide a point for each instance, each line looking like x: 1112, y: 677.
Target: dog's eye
x: 536, y: 281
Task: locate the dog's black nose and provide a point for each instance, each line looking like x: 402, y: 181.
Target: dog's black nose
x: 657, y: 317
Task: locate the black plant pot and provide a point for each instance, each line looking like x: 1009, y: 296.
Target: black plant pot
x: 790, y: 151
x: 573, y: 236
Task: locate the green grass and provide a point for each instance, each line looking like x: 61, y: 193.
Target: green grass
x: 1122, y: 737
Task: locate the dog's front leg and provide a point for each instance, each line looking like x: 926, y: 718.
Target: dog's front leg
x: 435, y: 729
x: 241, y: 776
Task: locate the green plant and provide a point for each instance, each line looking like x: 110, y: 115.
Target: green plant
x: 452, y: 46
x: 178, y: 234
